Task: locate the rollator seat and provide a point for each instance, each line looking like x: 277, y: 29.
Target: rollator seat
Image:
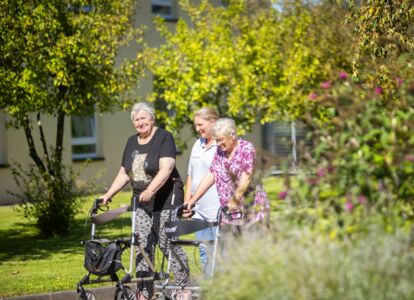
x: 183, y: 227
x: 108, y: 215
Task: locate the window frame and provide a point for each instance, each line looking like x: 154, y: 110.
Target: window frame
x: 87, y: 140
x: 275, y: 140
x: 165, y: 3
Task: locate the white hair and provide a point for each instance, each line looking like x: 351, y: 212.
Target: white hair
x: 142, y: 106
x: 225, y: 126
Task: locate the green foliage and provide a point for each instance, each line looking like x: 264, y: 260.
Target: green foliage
x: 293, y: 263
x: 253, y: 63
x: 52, y: 202
x: 361, y: 168
x: 384, y: 31
x: 58, y: 58
x: 60, y: 55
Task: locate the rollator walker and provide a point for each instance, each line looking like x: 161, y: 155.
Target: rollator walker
x: 103, y: 257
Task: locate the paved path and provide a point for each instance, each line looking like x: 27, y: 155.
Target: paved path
x: 102, y: 293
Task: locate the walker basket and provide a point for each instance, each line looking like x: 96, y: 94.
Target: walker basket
x: 100, y: 260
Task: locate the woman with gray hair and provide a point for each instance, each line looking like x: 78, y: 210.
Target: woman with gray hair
x: 232, y: 171
x: 148, y: 163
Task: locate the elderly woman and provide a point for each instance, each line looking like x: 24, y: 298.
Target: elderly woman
x: 208, y: 205
x: 148, y: 163
x: 232, y: 171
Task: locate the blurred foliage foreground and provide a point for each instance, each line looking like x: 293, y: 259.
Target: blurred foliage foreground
x: 344, y: 229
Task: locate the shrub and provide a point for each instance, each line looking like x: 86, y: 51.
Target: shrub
x: 51, y: 201
x: 361, y: 169
x: 297, y: 263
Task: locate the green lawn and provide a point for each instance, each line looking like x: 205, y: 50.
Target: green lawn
x: 30, y: 265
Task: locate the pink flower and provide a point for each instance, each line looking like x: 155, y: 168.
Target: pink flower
x: 399, y: 80
x: 283, y: 195
x: 321, y: 172
x: 325, y: 85
x: 362, y: 199
x: 378, y: 90
x: 349, y: 206
x: 409, y: 157
x: 343, y: 75
x: 313, y: 96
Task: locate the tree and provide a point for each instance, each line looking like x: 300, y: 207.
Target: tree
x: 58, y: 58
x: 384, y: 32
x: 252, y: 62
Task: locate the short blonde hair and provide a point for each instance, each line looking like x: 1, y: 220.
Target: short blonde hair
x: 226, y: 126
x: 142, y: 106
x: 207, y: 113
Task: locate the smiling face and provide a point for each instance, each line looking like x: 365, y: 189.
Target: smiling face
x: 226, y: 142
x: 143, y: 122
x: 203, y: 127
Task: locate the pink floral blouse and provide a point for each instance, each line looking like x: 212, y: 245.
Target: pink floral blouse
x: 227, y: 174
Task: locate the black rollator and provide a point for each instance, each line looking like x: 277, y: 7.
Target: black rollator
x: 103, y: 257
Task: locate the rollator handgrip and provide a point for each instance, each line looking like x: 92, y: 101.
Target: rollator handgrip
x: 232, y: 215
x: 180, y: 210
x: 97, y: 203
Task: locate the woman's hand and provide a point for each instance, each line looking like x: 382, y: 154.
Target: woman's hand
x: 146, y: 195
x: 233, y: 205
x: 105, y: 199
x: 187, y: 210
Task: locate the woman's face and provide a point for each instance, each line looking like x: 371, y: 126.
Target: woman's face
x: 225, y: 142
x: 203, y: 127
x: 143, y: 122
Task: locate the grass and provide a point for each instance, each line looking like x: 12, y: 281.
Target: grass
x: 31, y: 265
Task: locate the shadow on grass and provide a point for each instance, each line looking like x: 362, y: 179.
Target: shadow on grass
x: 21, y: 241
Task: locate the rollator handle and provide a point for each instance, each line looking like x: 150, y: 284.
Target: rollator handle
x: 232, y: 215
x: 180, y: 210
x: 97, y: 203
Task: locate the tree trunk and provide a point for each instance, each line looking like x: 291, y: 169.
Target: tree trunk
x: 59, y: 142
x: 44, y: 144
x: 32, y: 147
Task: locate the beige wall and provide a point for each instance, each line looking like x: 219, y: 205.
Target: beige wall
x: 113, y: 131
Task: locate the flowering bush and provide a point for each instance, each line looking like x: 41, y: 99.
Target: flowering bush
x: 362, y: 166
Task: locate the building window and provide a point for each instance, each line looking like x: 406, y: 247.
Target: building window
x: 164, y: 8
x: 84, y: 137
x: 3, y: 145
x: 224, y: 3
x: 285, y: 141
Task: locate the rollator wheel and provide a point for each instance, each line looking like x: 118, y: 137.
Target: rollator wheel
x: 89, y: 296
x: 119, y: 295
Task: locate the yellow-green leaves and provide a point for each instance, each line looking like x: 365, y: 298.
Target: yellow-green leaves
x: 253, y: 63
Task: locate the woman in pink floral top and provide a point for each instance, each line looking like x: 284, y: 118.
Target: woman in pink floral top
x: 232, y: 171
